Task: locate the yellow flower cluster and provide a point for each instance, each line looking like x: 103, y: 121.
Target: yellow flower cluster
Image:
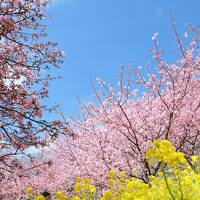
x: 84, y: 190
x: 163, y: 151
x: 175, y: 180
x: 182, y: 184
x: 60, y: 196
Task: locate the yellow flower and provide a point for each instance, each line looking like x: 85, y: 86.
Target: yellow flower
x: 107, y: 195
x: 76, y: 198
x: 78, y: 187
x: 92, y: 189
x: 40, y: 197
x: 29, y: 191
x: 86, y: 180
x: 123, y: 173
x: 111, y: 174
x: 58, y: 194
x: 78, y: 179
x: 194, y: 159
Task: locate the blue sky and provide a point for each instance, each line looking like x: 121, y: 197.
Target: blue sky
x: 100, y: 35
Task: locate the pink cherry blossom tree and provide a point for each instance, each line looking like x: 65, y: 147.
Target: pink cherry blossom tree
x: 25, y: 59
x: 115, y: 131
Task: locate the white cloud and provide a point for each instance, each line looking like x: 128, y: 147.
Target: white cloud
x: 19, y: 81
x: 9, y: 81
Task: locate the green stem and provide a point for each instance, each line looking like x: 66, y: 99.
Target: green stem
x: 166, y: 182
x: 179, y: 182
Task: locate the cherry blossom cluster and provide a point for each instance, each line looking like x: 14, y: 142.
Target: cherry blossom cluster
x: 25, y: 59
